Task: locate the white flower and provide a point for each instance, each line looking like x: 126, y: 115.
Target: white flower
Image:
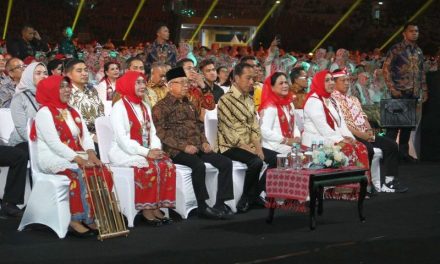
x: 315, y: 160
x: 338, y: 156
x: 328, y: 163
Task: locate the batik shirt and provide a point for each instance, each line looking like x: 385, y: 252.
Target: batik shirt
x: 87, y: 102
x: 403, y: 69
x: 7, y: 91
x: 165, y: 53
x: 237, y: 122
x: 156, y: 92
x: 178, y: 125
x: 351, y: 109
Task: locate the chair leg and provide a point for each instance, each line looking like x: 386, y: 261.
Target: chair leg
x: 362, y: 193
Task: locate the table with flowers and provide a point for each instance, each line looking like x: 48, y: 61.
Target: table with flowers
x: 290, y: 188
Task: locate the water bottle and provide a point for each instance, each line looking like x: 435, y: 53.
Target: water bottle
x: 314, y: 146
x: 321, y: 144
x: 297, y: 163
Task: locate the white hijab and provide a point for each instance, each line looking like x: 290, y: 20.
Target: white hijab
x: 27, y: 79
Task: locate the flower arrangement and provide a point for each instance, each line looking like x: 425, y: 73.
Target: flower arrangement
x: 329, y: 156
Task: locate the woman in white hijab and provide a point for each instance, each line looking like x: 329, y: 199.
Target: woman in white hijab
x: 24, y: 105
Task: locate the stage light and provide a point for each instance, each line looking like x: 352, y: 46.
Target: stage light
x: 380, y: 3
x: 8, y: 14
x: 275, y: 5
x: 343, y: 18
x: 78, y: 12
x: 423, y: 8
x: 208, y: 13
x: 136, y: 13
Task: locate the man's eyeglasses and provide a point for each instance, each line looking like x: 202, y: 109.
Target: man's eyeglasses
x: 21, y: 67
x: 184, y: 82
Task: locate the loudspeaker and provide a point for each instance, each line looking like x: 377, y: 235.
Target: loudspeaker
x: 430, y: 123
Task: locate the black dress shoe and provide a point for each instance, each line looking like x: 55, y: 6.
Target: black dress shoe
x: 152, y: 222
x: 243, y: 205
x: 165, y: 220
x: 227, y: 210
x: 209, y: 213
x: 89, y: 233
x: 10, y: 209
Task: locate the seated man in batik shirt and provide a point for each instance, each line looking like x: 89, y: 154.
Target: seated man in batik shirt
x: 84, y: 99
x: 357, y: 123
x: 156, y: 87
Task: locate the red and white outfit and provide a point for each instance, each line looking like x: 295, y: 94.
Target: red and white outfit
x: 134, y: 137
x: 277, y: 119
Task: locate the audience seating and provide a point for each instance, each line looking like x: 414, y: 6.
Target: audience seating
x: 48, y: 202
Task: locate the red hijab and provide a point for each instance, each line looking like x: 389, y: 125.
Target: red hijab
x: 125, y: 86
x: 269, y: 98
x: 48, y: 95
x: 318, y: 87
x: 48, y: 92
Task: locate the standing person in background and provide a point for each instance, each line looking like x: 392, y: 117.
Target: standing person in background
x: 28, y: 45
x: 161, y: 50
x: 405, y: 78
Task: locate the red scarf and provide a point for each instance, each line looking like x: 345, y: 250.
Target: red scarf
x: 318, y: 87
x: 136, y: 129
x: 269, y: 98
x: 126, y: 87
x: 48, y: 95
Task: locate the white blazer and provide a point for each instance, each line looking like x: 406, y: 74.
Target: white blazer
x: 124, y: 151
x: 271, y: 130
x: 315, y: 123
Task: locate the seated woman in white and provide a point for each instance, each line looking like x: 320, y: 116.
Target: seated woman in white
x: 277, y: 119
x: 61, y: 133
x: 107, y: 86
x: 136, y: 145
x: 323, y: 121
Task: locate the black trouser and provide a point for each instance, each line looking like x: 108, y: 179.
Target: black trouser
x: 252, y: 186
x: 197, y: 163
x: 405, y: 132
x: 390, y: 153
x: 16, y: 159
x: 25, y: 147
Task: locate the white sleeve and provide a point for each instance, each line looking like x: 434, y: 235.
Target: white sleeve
x: 315, y: 111
x: 296, y: 132
x: 47, y: 132
x: 87, y: 140
x: 101, y: 88
x: 121, y: 131
x: 268, y: 118
x: 155, y: 141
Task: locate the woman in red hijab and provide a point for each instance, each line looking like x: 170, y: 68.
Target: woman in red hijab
x: 61, y: 135
x: 277, y: 119
x: 324, y: 123
x: 136, y: 145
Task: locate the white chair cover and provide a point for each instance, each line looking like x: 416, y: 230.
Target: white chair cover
x: 6, y: 128
x: 123, y: 177
x: 7, y: 125
x: 48, y: 202
x: 238, y: 168
x: 375, y: 168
